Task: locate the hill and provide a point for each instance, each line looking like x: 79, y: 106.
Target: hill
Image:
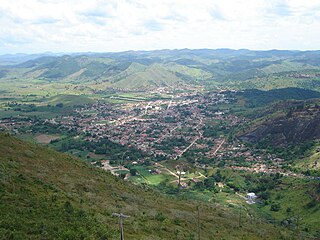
x: 258, y: 98
x: 286, y: 123
x: 48, y: 195
x: 218, y: 68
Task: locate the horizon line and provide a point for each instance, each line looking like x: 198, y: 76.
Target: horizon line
x: 155, y: 50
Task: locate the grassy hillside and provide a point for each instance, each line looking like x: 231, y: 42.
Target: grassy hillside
x: 295, y: 202
x: 49, y: 195
x: 310, y: 164
x: 153, y: 76
x: 291, y: 201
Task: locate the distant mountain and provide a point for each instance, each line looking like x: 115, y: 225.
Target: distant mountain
x: 150, y: 69
x: 12, y: 59
x: 48, y: 195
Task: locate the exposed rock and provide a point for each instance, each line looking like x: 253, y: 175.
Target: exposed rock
x: 297, y: 126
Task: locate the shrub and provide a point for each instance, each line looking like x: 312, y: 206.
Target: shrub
x: 275, y: 207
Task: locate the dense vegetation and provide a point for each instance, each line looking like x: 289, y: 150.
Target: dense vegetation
x: 257, y: 98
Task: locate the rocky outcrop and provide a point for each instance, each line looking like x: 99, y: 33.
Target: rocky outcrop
x: 296, y: 126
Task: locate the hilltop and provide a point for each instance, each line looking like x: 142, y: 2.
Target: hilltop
x: 49, y: 195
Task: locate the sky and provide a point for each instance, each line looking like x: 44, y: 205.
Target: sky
x: 34, y: 26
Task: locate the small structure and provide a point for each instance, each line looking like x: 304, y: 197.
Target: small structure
x: 251, y: 197
x: 121, y: 217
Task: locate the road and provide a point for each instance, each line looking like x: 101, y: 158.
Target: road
x: 159, y: 140
x: 5, y: 126
x: 187, y: 148
x: 176, y: 175
x: 168, y: 170
x: 201, y: 175
x: 193, y: 142
x: 169, y: 105
x: 219, y: 146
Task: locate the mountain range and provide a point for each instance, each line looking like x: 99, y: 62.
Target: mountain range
x: 176, y: 68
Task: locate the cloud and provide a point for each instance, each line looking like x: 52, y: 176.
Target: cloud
x: 282, y: 9
x: 217, y: 15
x: 12, y: 40
x: 118, y: 25
x: 153, y: 25
x: 45, y: 21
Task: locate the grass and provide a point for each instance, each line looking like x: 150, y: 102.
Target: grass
x: 45, y: 194
x: 69, y: 100
x: 80, y: 153
x: 153, y: 179
x: 297, y: 199
x: 311, y: 162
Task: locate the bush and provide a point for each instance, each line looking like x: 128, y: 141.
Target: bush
x: 311, y: 204
x: 275, y: 207
x: 133, y: 172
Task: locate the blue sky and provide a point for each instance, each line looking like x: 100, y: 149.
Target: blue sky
x: 32, y: 26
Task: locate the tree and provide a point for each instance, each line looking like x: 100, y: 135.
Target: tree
x: 133, y: 172
x: 60, y: 105
x: 275, y: 207
x: 68, y: 207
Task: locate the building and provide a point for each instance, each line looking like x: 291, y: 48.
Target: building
x: 251, y: 197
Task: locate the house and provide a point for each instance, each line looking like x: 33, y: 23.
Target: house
x: 251, y: 197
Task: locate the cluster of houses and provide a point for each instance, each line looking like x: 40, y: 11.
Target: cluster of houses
x: 147, y: 125
x: 165, y: 127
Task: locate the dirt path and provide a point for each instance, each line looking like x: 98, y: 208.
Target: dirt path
x: 169, y: 105
x: 5, y: 126
x: 201, y: 175
x: 187, y: 148
x: 168, y: 170
x: 241, y: 195
x: 218, y: 148
x: 193, y: 142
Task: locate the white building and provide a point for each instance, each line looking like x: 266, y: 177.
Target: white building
x: 251, y: 197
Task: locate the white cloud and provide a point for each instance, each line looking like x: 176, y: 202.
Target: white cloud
x: 116, y: 25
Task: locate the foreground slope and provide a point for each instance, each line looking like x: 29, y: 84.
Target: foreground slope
x: 48, y: 195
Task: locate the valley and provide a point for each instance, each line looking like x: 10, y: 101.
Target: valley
x: 159, y: 120
x: 148, y: 127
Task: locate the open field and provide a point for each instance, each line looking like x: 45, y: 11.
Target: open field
x: 46, y: 139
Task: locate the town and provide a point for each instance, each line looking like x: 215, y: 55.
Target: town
x: 194, y: 127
